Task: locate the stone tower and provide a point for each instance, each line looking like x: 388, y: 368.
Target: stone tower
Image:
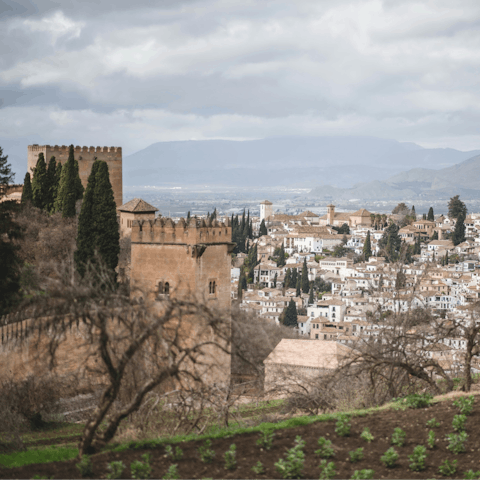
x: 85, y: 156
x: 265, y: 210
x: 330, y: 214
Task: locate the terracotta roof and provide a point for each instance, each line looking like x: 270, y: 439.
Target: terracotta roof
x: 137, y: 205
x: 266, y: 202
x: 307, y: 213
x: 361, y: 213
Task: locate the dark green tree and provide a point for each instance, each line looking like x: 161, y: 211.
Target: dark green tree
x: 435, y: 235
x: 291, y: 317
x: 105, y: 217
x: 263, y: 228
x: 456, y: 207
x: 293, y: 279
x: 87, y: 233
x: 391, y: 242
x: 188, y: 215
x: 288, y: 278
x: 367, y: 247
x: 310, y: 298
x: 56, y: 189
x: 424, y: 216
x: 281, y: 257
x: 430, y: 215
x: 417, y: 249
x: 27, y: 193
x: 67, y: 194
x: 305, y: 281
x: 298, y: 292
x: 79, y: 190
x: 51, y: 184
x: 6, y: 175
x: 40, y: 183
x: 446, y: 257
x: 459, y: 232
x: 413, y: 214
x: 275, y: 280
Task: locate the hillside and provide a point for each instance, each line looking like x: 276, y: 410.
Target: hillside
x: 380, y: 422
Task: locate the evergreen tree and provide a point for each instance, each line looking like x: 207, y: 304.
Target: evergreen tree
x: 40, y: 183
x: 281, y: 257
x: 6, y: 175
x: 275, y: 280
x: 290, y: 318
x: 263, y: 228
x: 188, y: 216
x: 87, y: 233
x: 66, y: 196
x: 105, y: 218
x: 51, y: 184
x: 391, y: 242
x: 288, y: 278
x: 310, y: 298
x: 244, y: 283
x: 430, y: 216
x: 456, y: 207
x: 79, y: 190
x: 413, y: 214
x: 27, y: 193
x: 459, y: 232
x: 424, y: 216
x: 435, y: 235
x: 298, y: 293
x: 367, y: 247
x: 305, y: 281
x: 56, y: 189
x: 417, y: 249
x: 446, y: 258
x: 250, y: 230
x: 293, y: 280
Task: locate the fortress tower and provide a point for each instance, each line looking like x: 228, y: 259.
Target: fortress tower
x: 330, y: 214
x: 86, y: 157
x: 265, y: 210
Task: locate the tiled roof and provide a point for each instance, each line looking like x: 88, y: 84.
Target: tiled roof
x: 137, y: 205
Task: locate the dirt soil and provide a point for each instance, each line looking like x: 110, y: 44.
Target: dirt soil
x: 381, y: 425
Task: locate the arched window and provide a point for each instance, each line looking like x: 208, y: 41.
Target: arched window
x: 167, y: 288
x: 160, y: 288
x: 212, y: 287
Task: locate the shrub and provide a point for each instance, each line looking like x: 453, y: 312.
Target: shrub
x: 172, y: 473
x: 141, y: 469
x: 390, y: 457
x: 342, y: 427
x: 465, y: 404
x: 356, y: 455
x: 327, y: 470
x: 418, y: 400
x: 116, y: 469
x: 366, y: 474
x: 366, y: 435
x: 84, y: 466
x: 448, y: 468
x: 431, y: 439
x: 206, y: 453
x: 398, y: 437
x: 258, y: 468
x: 230, y: 457
x: 266, y: 439
x: 457, y: 442
x: 458, y: 422
x: 471, y: 475
x: 292, y: 465
x: 417, y: 458
x: 176, y: 454
x: 433, y: 423
x: 326, y: 450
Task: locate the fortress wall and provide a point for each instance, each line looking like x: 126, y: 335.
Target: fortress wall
x: 85, y: 157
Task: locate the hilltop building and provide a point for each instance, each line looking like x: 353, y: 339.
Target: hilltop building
x: 136, y: 209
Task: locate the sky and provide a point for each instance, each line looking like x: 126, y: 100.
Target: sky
x: 131, y: 73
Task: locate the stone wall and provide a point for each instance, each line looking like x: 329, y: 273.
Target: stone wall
x: 86, y: 157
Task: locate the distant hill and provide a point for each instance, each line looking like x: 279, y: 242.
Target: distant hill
x: 301, y: 161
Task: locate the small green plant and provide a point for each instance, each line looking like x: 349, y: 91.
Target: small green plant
x: 356, y: 455
x: 418, y: 400
x: 206, y: 453
x: 390, y: 457
x: 342, y: 427
x: 366, y: 435
x: 433, y: 423
x: 115, y: 470
x: 172, y: 473
x: 326, y: 450
x: 431, y: 439
x: 327, y: 470
x: 258, y: 468
x: 84, y: 466
x: 457, y: 442
x: 141, y: 469
x: 448, y: 468
x: 230, y: 457
x: 471, y: 475
x: 465, y: 404
x: 176, y: 454
x: 292, y: 465
x: 266, y: 439
x: 364, y: 474
x: 398, y: 437
x: 458, y: 422
x: 417, y: 458
x: 40, y: 477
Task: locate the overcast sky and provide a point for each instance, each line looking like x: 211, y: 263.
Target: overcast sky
x: 131, y: 73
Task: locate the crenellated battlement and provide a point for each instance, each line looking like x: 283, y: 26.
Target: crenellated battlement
x: 63, y: 149
x: 166, y: 231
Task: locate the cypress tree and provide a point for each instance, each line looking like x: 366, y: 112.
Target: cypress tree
x: 459, y: 232
x: 263, y: 228
x: 87, y: 233
x: 275, y: 280
x: 367, y: 247
x: 188, y: 216
x: 413, y: 214
x: 6, y: 175
x: 51, y: 184
x: 446, y: 258
x: 79, y: 190
x: 40, y: 183
x: 298, y: 293
x: 305, y: 281
x: 105, y: 217
x: 56, y: 189
x: 67, y: 194
x: 310, y: 298
x: 430, y: 215
x: 244, y: 282
x: 27, y: 193
x: 424, y: 216
x: 291, y: 318
x: 435, y: 235
x: 293, y: 280
x: 288, y: 278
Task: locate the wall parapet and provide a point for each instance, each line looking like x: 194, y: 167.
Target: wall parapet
x: 65, y: 149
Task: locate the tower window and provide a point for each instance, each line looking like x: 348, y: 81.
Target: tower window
x: 167, y: 288
x: 212, y: 287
